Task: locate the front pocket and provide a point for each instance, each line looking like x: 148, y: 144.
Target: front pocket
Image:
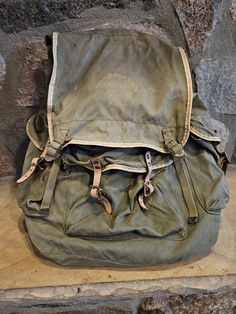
x: 166, y: 217
x: 208, y: 180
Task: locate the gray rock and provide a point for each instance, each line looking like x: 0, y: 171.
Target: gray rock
x: 196, y: 18
x: 2, y: 70
x: 18, y: 15
x: 216, y: 80
x: 233, y: 10
x: 35, y: 69
x: 220, y: 42
x: 7, y: 160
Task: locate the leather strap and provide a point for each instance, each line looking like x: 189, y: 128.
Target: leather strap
x: 34, y: 163
x: 148, y: 188
x: 96, y: 192
x: 30, y: 171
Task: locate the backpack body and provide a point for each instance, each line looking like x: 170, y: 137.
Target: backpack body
x: 123, y: 168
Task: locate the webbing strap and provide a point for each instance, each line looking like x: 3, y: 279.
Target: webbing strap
x: 53, y: 147
x: 186, y: 188
x: 50, y: 186
x: 171, y: 144
x: 178, y: 156
x: 96, y: 192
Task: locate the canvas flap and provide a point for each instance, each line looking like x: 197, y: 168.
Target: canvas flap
x: 37, y: 130
x: 201, y: 122
x: 118, y: 88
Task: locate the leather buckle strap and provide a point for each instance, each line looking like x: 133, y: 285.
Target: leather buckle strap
x: 148, y: 188
x: 30, y: 171
x: 50, y: 152
x: 97, y: 192
x: 34, y: 164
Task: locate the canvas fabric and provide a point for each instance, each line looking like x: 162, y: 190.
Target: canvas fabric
x: 123, y: 168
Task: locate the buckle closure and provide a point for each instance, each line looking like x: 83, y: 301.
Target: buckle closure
x: 148, y: 188
x: 96, y: 191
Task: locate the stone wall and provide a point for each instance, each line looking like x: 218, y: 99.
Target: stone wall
x: 205, y: 28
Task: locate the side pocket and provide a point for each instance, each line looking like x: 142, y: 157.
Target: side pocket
x: 30, y: 193
x: 208, y: 180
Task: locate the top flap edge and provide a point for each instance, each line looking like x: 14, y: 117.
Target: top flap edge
x: 182, y: 141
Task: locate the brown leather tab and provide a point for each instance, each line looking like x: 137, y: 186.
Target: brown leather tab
x: 148, y: 188
x: 33, y: 165
x: 141, y: 202
x: 96, y: 192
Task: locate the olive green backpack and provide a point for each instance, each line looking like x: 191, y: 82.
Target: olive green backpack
x: 123, y: 168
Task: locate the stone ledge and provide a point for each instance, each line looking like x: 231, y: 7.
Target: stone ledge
x: 213, y: 294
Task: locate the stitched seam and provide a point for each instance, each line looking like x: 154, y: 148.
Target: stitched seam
x: 51, y: 88
x: 204, y: 136
x: 67, y: 211
x: 196, y: 191
x: 122, y: 145
x: 190, y: 95
x: 138, y: 170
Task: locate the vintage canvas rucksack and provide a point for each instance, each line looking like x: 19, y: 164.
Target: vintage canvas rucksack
x: 123, y: 168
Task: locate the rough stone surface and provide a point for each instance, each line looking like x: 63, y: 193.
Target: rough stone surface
x: 196, y: 18
x: 216, y: 84
x: 220, y: 42
x: 2, y: 70
x: 154, y: 302
x: 198, y: 294
x: 229, y: 121
x: 7, y: 160
x: 233, y: 10
x: 192, y: 303
x: 17, y: 15
x: 36, y: 70
x: 215, y: 68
